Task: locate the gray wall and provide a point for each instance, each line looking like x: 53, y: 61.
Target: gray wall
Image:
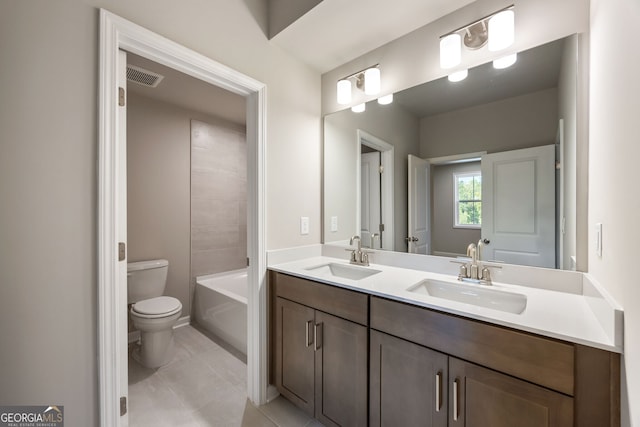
x: 445, y: 239
x: 519, y: 122
x: 49, y: 174
x: 158, y: 168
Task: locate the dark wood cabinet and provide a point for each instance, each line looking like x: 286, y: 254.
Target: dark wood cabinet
x: 320, y: 361
x: 296, y: 353
x: 341, y: 371
x: 480, y: 397
x: 408, y: 383
x: 411, y: 385
x: 351, y: 359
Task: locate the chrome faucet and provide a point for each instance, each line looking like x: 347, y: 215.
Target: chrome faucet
x: 358, y: 256
x: 475, y: 271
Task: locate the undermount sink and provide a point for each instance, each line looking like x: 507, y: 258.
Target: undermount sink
x: 344, y: 271
x: 479, y: 295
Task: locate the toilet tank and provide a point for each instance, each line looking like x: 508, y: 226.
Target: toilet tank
x: 146, y: 279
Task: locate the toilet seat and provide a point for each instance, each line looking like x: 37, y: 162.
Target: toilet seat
x: 157, y: 307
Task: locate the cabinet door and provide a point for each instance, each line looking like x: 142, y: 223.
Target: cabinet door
x: 408, y: 383
x: 341, y: 371
x: 480, y: 397
x: 295, y: 353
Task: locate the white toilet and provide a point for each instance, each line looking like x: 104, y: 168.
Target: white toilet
x: 152, y: 314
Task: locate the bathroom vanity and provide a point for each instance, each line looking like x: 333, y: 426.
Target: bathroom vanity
x: 351, y: 349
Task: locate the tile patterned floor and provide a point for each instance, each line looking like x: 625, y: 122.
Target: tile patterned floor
x: 203, y: 386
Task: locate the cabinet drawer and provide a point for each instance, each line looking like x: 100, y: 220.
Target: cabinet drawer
x: 543, y: 361
x: 340, y: 302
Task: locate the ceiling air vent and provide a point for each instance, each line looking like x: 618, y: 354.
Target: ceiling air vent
x: 143, y: 77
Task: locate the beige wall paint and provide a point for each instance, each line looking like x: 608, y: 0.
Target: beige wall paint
x: 49, y: 174
x: 613, y: 155
x: 519, y: 122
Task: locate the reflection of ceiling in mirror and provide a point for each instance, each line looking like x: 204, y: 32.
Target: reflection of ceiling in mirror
x: 536, y: 69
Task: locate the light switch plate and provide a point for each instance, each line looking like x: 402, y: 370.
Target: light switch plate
x: 599, y: 239
x: 334, y: 224
x: 304, y: 225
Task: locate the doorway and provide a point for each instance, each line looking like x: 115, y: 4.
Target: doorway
x: 118, y: 34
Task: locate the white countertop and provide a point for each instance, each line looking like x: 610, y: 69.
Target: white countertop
x: 588, y: 317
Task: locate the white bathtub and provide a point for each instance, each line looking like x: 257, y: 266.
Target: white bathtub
x: 221, y: 306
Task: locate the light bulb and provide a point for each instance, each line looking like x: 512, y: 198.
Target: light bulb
x: 372, y: 81
x: 344, y: 92
x: 505, y: 61
x: 450, y: 51
x: 458, y: 76
x: 358, y: 108
x: 385, y: 100
x: 501, y: 30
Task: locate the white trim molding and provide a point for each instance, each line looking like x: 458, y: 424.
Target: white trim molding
x: 387, y: 155
x: 117, y: 33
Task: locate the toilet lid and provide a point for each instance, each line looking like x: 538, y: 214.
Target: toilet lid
x: 157, y: 305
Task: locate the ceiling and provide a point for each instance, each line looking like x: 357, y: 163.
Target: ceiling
x: 188, y: 92
x: 337, y: 31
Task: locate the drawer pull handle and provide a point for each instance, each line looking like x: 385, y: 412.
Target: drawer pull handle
x: 455, y: 400
x: 438, y: 391
x: 307, y: 326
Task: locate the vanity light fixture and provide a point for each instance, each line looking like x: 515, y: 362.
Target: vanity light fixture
x: 501, y: 30
x: 372, y: 81
x: 344, y: 91
x: 385, y: 100
x: 367, y: 80
x: 497, y: 30
x: 505, y: 61
x: 450, y: 51
x: 359, y: 108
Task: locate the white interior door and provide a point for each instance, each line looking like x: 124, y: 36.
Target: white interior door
x: 419, y: 233
x: 121, y: 232
x: 518, y: 206
x: 370, y: 198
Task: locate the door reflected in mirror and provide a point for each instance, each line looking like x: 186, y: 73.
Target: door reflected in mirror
x: 514, y: 127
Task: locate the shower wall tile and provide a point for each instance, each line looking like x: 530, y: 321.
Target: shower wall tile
x: 218, y: 198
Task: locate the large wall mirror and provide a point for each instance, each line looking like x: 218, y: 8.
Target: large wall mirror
x: 489, y: 159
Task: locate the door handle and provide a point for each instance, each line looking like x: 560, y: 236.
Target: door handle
x: 411, y: 239
x: 307, y: 333
x: 486, y: 241
x: 317, y: 336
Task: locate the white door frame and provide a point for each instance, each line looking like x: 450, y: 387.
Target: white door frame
x: 386, y: 184
x: 117, y: 33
